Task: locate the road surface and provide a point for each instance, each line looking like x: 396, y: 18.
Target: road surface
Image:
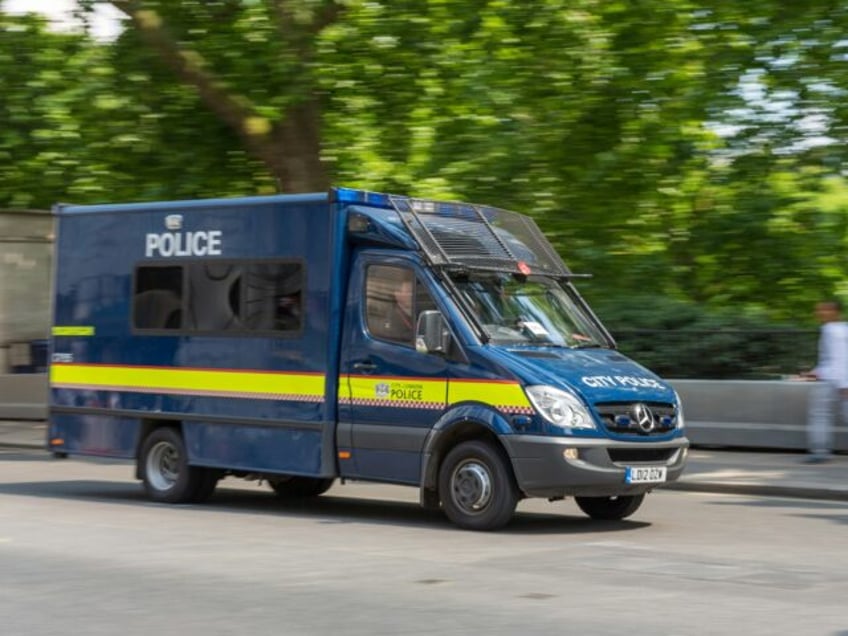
x: 83, y: 552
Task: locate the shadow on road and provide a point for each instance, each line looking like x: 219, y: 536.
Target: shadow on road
x: 836, y: 512
x: 327, y: 509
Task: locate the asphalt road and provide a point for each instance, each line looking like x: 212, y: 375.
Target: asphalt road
x: 83, y: 552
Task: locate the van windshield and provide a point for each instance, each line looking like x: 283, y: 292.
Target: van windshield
x: 536, y: 310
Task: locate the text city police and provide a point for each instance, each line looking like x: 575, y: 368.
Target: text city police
x: 612, y: 381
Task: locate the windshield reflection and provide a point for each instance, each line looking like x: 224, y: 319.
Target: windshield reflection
x: 536, y: 310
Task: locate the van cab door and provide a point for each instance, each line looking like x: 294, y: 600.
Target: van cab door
x: 390, y: 395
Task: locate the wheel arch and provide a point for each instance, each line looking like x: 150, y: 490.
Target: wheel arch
x: 460, y: 424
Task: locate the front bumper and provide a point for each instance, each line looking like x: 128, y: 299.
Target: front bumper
x: 598, y: 470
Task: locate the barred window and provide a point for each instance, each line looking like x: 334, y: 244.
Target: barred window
x: 158, y: 296
x: 220, y: 296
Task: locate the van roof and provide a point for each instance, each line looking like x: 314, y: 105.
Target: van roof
x: 314, y: 197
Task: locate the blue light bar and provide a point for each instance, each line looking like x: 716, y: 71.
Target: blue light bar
x: 362, y: 197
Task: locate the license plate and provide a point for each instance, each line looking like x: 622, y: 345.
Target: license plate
x: 644, y: 474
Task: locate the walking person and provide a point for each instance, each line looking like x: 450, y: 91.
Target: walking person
x: 831, y: 375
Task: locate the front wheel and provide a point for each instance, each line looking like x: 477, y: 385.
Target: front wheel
x: 610, y: 508
x: 165, y: 471
x: 476, y: 486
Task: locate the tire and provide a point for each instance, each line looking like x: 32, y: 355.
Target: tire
x: 296, y: 487
x: 476, y: 486
x: 164, y: 469
x: 610, y: 508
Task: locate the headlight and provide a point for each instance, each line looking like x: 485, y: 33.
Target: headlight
x: 680, y: 422
x: 559, y: 408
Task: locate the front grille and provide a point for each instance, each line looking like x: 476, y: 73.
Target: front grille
x: 639, y: 419
x: 635, y: 455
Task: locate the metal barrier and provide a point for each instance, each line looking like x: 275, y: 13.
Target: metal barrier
x: 730, y: 413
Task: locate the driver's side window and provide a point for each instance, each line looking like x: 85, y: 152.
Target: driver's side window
x: 393, y: 300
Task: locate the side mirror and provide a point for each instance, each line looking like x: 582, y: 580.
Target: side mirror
x: 430, y: 333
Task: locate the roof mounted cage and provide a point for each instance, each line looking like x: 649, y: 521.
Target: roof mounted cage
x: 467, y: 236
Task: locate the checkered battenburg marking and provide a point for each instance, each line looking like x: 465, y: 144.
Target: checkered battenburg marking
x: 414, y: 404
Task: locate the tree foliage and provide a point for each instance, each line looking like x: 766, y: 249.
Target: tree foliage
x: 685, y: 151
x: 83, y: 124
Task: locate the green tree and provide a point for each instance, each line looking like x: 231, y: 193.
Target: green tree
x: 251, y: 65
x: 80, y: 127
x: 684, y: 150
x: 43, y: 74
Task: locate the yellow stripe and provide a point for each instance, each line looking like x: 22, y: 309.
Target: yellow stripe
x: 497, y: 393
x: 73, y: 331
x: 165, y: 379
x: 168, y: 379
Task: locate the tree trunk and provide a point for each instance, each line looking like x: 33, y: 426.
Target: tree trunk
x: 290, y: 149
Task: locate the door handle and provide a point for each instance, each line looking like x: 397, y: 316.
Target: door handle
x: 364, y: 366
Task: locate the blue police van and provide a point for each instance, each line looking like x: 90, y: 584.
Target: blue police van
x: 301, y: 339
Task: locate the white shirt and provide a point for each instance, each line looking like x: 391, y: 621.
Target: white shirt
x: 833, y: 354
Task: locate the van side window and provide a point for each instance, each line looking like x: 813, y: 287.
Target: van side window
x: 157, y: 298
x: 220, y: 296
x: 273, y: 296
x: 214, y: 296
x: 393, y: 301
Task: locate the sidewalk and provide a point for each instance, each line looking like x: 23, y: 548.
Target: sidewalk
x: 766, y: 473
x: 23, y: 434
x: 709, y: 470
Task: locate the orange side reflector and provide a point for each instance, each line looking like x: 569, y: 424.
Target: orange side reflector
x: 57, y: 441
x: 344, y: 454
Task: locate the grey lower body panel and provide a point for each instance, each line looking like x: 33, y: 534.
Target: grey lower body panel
x: 596, y: 467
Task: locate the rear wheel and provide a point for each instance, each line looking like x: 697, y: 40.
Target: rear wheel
x: 476, y: 486
x: 610, y: 508
x: 297, y: 487
x: 165, y: 471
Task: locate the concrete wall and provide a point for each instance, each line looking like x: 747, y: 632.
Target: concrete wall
x: 23, y: 396
x: 749, y: 414
x: 732, y: 413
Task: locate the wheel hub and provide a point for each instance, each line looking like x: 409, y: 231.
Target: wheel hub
x: 471, y: 486
x: 163, y: 466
